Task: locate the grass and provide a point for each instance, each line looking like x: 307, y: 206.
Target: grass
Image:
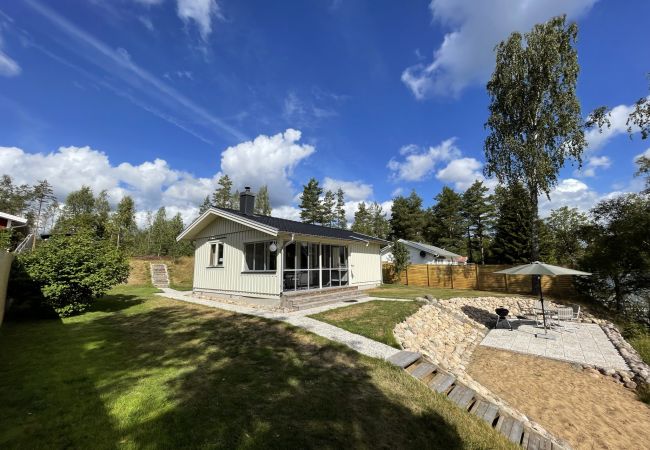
x: 181, y: 272
x: 375, y: 320
x: 140, y: 371
x: 411, y: 292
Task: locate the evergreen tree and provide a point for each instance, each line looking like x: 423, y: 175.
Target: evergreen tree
x: 341, y: 220
x: 408, y: 220
x: 535, y: 122
x: 14, y: 199
x: 234, y: 200
x: 123, y: 222
x: 205, y: 205
x: 478, y: 212
x: 328, y: 209
x: 222, y: 197
x: 446, y: 222
x: 262, y: 202
x: 310, y: 205
x: 512, y: 229
x: 401, y: 257
x: 379, y: 223
x: 362, y: 220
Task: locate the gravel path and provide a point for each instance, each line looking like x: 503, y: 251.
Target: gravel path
x: 356, y: 342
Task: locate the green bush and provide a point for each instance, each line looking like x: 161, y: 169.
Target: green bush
x: 69, y: 272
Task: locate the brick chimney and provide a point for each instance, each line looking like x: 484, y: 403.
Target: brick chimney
x: 247, y: 201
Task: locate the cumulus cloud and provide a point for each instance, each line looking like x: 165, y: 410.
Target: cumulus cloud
x: 569, y: 192
x: 466, y: 54
x: 267, y: 160
x: 151, y: 184
x: 354, y: 190
x: 461, y: 173
x: 593, y: 163
x: 596, y: 139
x: 201, y: 12
x: 417, y: 164
x: 646, y: 154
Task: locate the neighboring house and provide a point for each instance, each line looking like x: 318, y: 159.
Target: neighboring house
x: 424, y: 254
x: 11, y: 221
x: 245, y: 254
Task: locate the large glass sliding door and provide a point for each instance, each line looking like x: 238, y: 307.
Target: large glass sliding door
x: 309, y: 265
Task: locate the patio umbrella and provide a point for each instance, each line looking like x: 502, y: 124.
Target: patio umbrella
x: 538, y: 269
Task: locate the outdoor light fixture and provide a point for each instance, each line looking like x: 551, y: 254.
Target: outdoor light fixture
x: 274, y: 246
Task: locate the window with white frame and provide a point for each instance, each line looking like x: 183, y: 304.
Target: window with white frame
x: 259, y: 257
x: 216, y: 254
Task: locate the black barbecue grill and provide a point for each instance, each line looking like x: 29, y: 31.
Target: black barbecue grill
x: 502, y: 316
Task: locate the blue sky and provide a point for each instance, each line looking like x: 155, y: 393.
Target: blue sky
x: 156, y: 98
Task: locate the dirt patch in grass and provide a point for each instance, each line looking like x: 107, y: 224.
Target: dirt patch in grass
x: 375, y: 320
x: 587, y: 410
x: 143, y: 371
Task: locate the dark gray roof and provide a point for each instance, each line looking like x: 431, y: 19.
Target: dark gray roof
x: 292, y: 226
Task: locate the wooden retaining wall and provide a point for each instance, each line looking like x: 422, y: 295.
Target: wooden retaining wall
x: 478, y: 277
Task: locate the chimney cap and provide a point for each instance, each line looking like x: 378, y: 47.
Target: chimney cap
x: 247, y: 189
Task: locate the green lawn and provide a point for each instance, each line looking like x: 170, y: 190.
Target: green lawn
x: 140, y: 371
x: 411, y: 292
x: 375, y: 319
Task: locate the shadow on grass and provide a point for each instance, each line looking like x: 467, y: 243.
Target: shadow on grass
x: 179, y: 376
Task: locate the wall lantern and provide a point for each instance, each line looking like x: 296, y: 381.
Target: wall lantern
x: 274, y: 246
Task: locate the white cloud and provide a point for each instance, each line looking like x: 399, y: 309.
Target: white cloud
x: 354, y: 190
x: 569, y: 192
x: 646, y: 154
x: 466, y: 55
x: 593, y: 163
x: 597, y: 139
x: 461, y: 172
x: 151, y: 184
x: 287, y: 212
x: 396, y: 192
x: 418, y: 164
x: 306, y: 113
x: 201, y: 12
x: 8, y: 66
x: 267, y: 160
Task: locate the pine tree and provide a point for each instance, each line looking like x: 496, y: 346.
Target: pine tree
x: 477, y: 212
x: 205, y: 205
x: 362, y: 220
x: 445, y: 227
x: 222, y: 197
x: 379, y: 223
x: 512, y: 229
x: 310, y: 205
x: 341, y: 220
x: 262, y: 202
x: 328, y: 209
x: 408, y: 220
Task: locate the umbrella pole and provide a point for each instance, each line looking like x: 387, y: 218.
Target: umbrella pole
x: 541, y: 299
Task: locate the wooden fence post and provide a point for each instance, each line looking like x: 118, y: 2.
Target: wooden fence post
x: 407, y: 275
x: 506, y: 278
x: 428, y: 281
x: 451, y: 276
x: 477, y: 286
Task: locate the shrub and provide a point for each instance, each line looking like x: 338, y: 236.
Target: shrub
x: 70, y: 272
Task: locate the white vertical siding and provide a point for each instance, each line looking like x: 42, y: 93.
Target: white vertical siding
x: 365, y: 264
x: 230, y: 278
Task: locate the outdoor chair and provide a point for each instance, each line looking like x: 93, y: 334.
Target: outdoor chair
x: 576, y: 313
x: 564, y: 316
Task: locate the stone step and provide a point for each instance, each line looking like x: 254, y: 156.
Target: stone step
x: 159, y: 275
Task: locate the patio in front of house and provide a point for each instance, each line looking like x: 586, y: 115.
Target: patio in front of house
x: 582, y: 343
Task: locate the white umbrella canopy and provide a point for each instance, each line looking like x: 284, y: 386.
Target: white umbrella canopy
x: 539, y: 268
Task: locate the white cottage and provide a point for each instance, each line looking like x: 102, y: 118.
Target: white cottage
x: 420, y: 253
x: 240, y: 253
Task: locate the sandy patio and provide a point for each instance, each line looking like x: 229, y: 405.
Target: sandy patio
x: 586, y: 409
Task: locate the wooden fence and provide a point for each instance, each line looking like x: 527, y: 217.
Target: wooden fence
x: 478, y: 277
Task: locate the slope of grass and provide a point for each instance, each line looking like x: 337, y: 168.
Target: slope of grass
x: 140, y: 371
x: 411, y: 292
x: 181, y: 271
x: 375, y: 320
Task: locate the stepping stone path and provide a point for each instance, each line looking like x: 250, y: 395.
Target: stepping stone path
x: 466, y: 398
x: 159, y: 275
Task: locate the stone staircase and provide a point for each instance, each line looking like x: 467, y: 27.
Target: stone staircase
x: 299, y: 300
x: 159, y: 275
x: 445, y: 383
